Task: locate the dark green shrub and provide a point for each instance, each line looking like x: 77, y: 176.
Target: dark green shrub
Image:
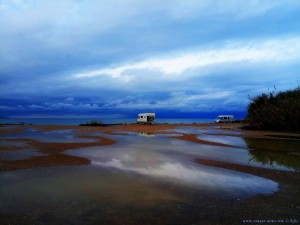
x: 279, y: 111
x: 92, y: 123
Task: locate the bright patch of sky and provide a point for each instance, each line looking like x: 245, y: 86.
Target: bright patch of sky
x: 123, y: 57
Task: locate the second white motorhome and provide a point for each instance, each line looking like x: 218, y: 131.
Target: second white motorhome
x: 224, y: 119
x: 146, y: 118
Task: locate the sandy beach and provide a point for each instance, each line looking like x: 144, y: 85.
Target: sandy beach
x: 283, y: 205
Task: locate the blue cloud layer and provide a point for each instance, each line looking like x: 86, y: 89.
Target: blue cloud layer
x: 188, y: 57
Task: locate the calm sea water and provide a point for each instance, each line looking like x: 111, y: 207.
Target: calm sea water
x: 77, y: 121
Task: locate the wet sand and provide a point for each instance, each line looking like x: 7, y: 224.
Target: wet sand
x: 283, y: 205
x: 54, y: 152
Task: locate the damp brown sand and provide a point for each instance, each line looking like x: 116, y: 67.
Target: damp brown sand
x: 283, y: 205
x: 165, y: 128
x: 54, y: 152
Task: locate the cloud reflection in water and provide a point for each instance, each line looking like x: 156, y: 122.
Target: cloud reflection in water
x: 204, y: 177
x: 170, y: 160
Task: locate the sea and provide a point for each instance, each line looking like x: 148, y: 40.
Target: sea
x: 78, y: 121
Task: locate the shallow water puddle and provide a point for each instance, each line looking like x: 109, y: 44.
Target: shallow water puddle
x: 16, y: 150
x: 205, y: 130
x: 273, y: 152
x: 282, y: 153
x: 229, y: 140
x: 83, y: 195
x: 143, y: 179
x: 19, y: 155
x: 169, y: 159
x: 59, y: 136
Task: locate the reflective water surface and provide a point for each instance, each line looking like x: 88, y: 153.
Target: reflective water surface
x: 19, y: 155
x: 205, y: 130
x: 169, y: 159
x: 228, y: 140
x: 143, y: 179
x: 63, y: 136
x: 283, y: 152
x: 16, y: 150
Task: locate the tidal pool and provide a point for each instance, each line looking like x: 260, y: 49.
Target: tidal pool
x: 274, y: 152
x: 228, y: 140
x: 91, y: 195
x: 143, y: 179
x: 204, y: 130
x: 168, y: 159
x: 58, y: 136
x: 19, y: 155
x: 16, y: 150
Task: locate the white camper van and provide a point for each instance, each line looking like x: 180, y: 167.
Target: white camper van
x: 224, y: 119
x: 146, y: 118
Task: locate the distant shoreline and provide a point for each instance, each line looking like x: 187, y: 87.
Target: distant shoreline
x: 77, y: 121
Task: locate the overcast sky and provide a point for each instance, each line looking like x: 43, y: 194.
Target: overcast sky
x: 121, y: 57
